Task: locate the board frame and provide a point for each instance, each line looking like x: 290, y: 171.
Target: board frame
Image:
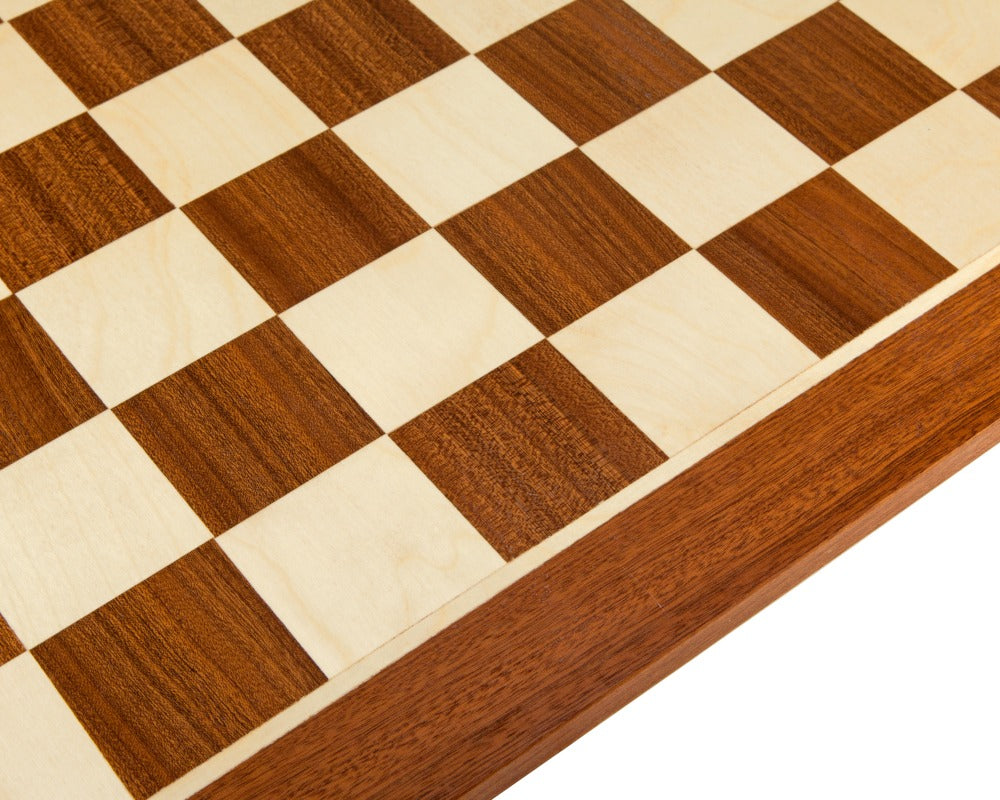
x: 479, y: 705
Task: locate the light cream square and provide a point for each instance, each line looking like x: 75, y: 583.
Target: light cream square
x: 358, y: 554
x: 716, y: 31
x: 453, y: 139
x: 144, y: 306
x: 958, y: 39
x: 240, y: 16
x: 474, y: 24
x: 411, y: 328
x: 683, y: 351
x: 34, y: 99
x: 46, y: 753
x: 939, y: 174
x: 4, y: 291
x: 81, y: 520
x: 201, y: 124
x: 704, y: 158
x: 12, y: 8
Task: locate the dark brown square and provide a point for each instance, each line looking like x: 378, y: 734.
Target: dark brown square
x: 987, y: 90
x: 304, y: 220
x: 63, y: 195
x: 591, y: 65
x: 826, y: 262
x: 10, y: 645
x: 41, y: 395
x: 561, y: 241
x: 101, y: 48
x: 246, y: 424
x: 342, y: 56
x: 527, y: 449
x: 835, y: 82
x: 168, y: 674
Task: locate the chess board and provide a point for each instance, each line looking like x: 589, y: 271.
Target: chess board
x: 391, y: 389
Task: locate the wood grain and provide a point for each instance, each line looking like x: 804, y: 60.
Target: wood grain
x: 304, y: 220
x: 64, y: 194
x: 167, y: 674
x: 835, y: 82
x: 527, y: 672
x: 342, y: 56
x: 938, y: 174
x: 101, y: 48
x: 592, y: 64
x: 562, y: 241
x: 453, y: 139
x: 246, y: 424
x: 987, y: 90
x: 826, y: 261
x: 10, y: 645
x: 527, y: 449
x: 24, y: 79
x: 956, y: 39
x: 41, y: 395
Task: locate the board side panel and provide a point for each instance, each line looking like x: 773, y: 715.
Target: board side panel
x: 527, y: 672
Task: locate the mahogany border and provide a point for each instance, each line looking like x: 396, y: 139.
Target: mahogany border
x: 502, y: 689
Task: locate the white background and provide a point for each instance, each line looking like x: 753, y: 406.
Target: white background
x: 878, y: 677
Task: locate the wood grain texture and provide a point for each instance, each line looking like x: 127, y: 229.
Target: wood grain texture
x: 938, y: 174
x: 342, y: 56
x: 957, y: 39
x: 41, y: 395
x: 410, y: 329
x: 826, y: 262
x: 82, y: 520
x: 561, y: 241
x: 64, y: 194
x: 101, y: 48
x: 207, y: 121
x: 987, y: 90
x: 304, y: 220
x: 453, y: 139
x: 144, y: 306
x: 10, y: 645
x: 682, y: 352
x: 246, y: 424
x: 527, y: 672
x: 835, y: 82
x: 527, y: 449
x: 592, y: 64
x: 24, y: 79
x: 167, y: 674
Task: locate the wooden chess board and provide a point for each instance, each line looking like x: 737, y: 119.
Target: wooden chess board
x: 391, y: 389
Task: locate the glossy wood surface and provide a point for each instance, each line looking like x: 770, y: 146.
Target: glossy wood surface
x: 280, y: 420
x: 350, y: 383
x: 562, y: 241
x: 65, y: 193
x: 987, y: 90
x: 834, y: 81
x: 304, y: 220
x: 341, y: 56
x: 526, y: 449
x: 101, y: 48
x: 10, y: 645
x: 826, y: 262
x: 195, y: 625
x: 592, y: 64
x: 41, y: 395
x: 527, y: 672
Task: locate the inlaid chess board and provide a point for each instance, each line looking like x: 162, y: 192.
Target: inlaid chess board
x: 391, y: 389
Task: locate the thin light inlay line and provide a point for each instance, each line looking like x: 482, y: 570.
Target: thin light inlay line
x: 339, y: 685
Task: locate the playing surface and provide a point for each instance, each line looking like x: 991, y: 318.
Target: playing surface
x: 322, y: 322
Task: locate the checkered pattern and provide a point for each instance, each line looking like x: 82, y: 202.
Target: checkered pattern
x: 313, y: 313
